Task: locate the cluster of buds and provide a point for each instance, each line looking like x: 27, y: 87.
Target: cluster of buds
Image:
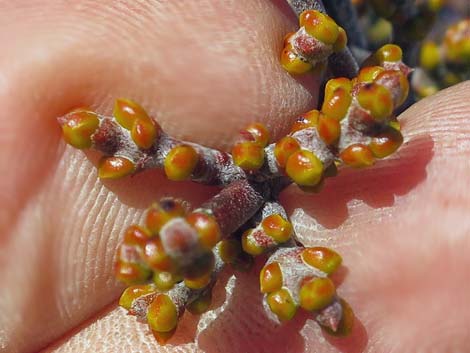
x: 171, y: 262
x: 160, y: 247
x: 163, y: 281
x: 318, y: 37
x: 132, y: 141
x: 248, y: 153
x: 355, y: 125
x: 299, y: 277
x: 271, y: 231
x: 446, y: 63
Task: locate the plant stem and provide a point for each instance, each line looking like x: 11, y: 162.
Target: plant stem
x: 235, y: 205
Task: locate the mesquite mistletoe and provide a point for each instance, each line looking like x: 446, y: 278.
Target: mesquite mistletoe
x: 171, y: 262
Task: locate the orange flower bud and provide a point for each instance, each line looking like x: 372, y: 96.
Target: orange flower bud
x: 277, y: 227
x: 259, y: 133
x: 329, y: 129
x: 304, y: 168
x: 144, y: 132
x: 164, y: 281
x: 270, y: 278
x: 320, y: 26
x: 131, y: 273
x: 389, y: 53
x: 161, y: 212
x: 305, y: 121
x: 282, y: 304
x: 207, y: 229
x: 248, y: 155
x: 337, y: 103
x: 136, y: 235
x: 132, y: 293
x: 284, y: 148
x: 154, y: 255
x: 293, y: 63
x: 115, y: 167
x: 335, y: 83
x: 78, y: 127
x: 162, y: 315
x: 324, y: 259
x: 386, y: 143
x: 316, y: 293
x: 369, y: 74
x: 376, y: 99
x: 126, y: 111
x: 249, y: 244
x: 180, y: 162
x: 398, y: 82
x: 357, y: 156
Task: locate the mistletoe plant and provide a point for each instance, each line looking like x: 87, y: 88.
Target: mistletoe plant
x: 172, y: 261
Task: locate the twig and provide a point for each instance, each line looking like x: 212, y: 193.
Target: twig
x: 182, y: 250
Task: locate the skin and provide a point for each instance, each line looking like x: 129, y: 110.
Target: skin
x: 205, y: 70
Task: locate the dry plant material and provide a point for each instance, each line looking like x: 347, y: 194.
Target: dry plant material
x: 171, y: 262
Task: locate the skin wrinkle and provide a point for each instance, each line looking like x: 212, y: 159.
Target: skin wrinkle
x: 75, y: 278
x: 64, y: 253
x: 32, y: 241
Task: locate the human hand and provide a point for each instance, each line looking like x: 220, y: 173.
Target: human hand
x: 205, y: 70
